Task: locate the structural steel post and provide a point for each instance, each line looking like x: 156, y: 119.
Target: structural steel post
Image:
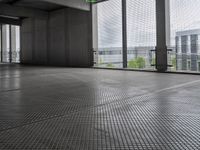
x: 161, y: 48
x: 124, y: 34
x: 1, y: 43
x: 10, y: 47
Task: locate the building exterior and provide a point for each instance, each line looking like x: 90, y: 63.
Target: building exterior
x: 188, y: 50
x: 112, y: 56
x: 9, y: 43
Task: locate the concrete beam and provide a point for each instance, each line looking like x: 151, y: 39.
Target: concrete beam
x: 10, y: 10
x: 78, y: 4
x: 4, y: 20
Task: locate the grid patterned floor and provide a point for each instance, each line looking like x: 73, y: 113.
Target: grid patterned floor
x: 90, y: 109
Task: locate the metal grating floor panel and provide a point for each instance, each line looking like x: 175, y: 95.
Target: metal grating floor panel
x: 88, y: 109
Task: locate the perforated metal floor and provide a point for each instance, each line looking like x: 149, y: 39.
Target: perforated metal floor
x: 89, y: 109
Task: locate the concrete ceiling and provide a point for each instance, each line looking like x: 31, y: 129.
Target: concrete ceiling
x: 49, y: 5
x: 38, y: 4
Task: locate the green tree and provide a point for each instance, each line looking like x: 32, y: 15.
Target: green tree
x: 138, y: 63
x: 100, y: 61
x: 174, y: 62
x: 110, y: 65
x: 153, y: 62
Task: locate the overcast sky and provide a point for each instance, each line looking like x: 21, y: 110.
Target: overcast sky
x: 141, y: 26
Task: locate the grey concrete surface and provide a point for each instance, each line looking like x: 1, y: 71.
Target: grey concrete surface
x: 78, y: 4
x: 65, y: 39
x: 47, y: 5
x: 16, y: 11
x: 68, y: 108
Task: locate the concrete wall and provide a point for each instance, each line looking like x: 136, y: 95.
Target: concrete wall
x: 27, y: 41
x: 57, y: 52
x: 40, y: 41
x: 34, y: 41
x: 65, y: 39
x: 79, y: 36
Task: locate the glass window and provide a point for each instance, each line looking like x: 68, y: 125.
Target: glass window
x: 0, y: 44
x: 141, y: 33
x: 5, y: 43
x: 15, y: 43
x: 183, y: 33
x: 109, y: 18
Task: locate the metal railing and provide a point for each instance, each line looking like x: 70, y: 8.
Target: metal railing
x: 140, y: 58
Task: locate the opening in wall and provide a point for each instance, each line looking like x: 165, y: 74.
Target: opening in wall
x: 140, y: 26
x: 9, y: 43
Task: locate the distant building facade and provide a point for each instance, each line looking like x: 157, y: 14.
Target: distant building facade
x: 188, y: 50
x: 113, y: 55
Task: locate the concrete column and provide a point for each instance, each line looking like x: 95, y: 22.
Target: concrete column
x: 198, y: 45
x: 161, y: 49
x: 178, y: 44
x: 189, y: 45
